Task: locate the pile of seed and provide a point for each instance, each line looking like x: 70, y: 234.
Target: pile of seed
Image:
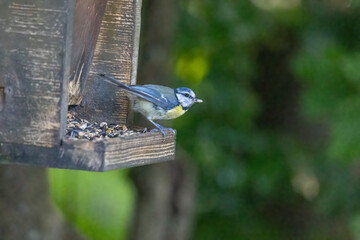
x: 78, y: 128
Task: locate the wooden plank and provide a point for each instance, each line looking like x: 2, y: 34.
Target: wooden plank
x: 122, y: 152
x: 81, y: 155
x: 71, y: 156
x: 116, y: 54
x: 87, y: 20
x: 32, y: 42
x: 139, y: 150
x: 13, y: 153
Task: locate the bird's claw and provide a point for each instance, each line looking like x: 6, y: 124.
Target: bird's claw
x: 162, y: 130
x: 172, y: 130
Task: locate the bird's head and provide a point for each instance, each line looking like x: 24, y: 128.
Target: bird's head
x: 186, y: 97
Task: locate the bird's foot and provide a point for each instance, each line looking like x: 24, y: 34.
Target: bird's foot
x: 162, y: 130
x: 154, y: 130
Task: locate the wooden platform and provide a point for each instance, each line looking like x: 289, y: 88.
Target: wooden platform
x: 121, y: 152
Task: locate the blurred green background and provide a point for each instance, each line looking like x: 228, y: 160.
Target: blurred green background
x: 276, y: 142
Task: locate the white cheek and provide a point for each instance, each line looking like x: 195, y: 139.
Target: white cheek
x: 185, y: 102
x: 180, y: 97
x: 188, y: 102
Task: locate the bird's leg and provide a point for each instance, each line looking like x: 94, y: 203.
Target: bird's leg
x: 161, y: 128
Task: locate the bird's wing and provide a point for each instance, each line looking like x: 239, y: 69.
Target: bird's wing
x: 159, y: 95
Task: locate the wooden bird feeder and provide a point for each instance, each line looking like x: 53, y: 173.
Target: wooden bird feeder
x: 50, y: 54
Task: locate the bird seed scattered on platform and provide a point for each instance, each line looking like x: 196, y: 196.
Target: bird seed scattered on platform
x: 78, y: 128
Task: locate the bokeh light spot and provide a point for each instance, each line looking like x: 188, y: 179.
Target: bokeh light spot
x: 192, y: 68
x: 276, y: 4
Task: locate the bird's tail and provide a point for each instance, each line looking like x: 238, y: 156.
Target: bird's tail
x: 133, y: 90
x: 114, y: 81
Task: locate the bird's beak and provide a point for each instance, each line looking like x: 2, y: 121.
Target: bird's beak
x: 198, y: 100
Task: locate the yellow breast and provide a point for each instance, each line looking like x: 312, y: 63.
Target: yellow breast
x: 175, y: 112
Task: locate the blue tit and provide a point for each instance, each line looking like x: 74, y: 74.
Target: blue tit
x: 158, y: 102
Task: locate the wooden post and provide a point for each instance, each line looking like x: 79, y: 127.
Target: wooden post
x: 34, y: 70
x: 116, y: 54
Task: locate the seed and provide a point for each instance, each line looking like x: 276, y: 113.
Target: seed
x: 78, y: 128
x: 103, y: 124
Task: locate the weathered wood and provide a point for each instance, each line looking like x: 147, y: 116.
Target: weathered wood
x: 32, y: 49
x: 122, y: 152
x: 116, y: 54
x: 87, y: 20
x: 138, y: 150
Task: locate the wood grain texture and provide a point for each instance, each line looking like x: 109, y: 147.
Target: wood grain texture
x: 116, y: 54
x: 122, y: 152
x: 138, y: 150
x: 32, y: 49
x: 87, y: 19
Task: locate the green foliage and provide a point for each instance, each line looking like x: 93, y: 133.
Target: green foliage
x: 329, y: 67
x: 257, y: 181
x: 99, y: 204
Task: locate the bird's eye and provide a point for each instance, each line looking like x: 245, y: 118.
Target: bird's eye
x: 186, y: 95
